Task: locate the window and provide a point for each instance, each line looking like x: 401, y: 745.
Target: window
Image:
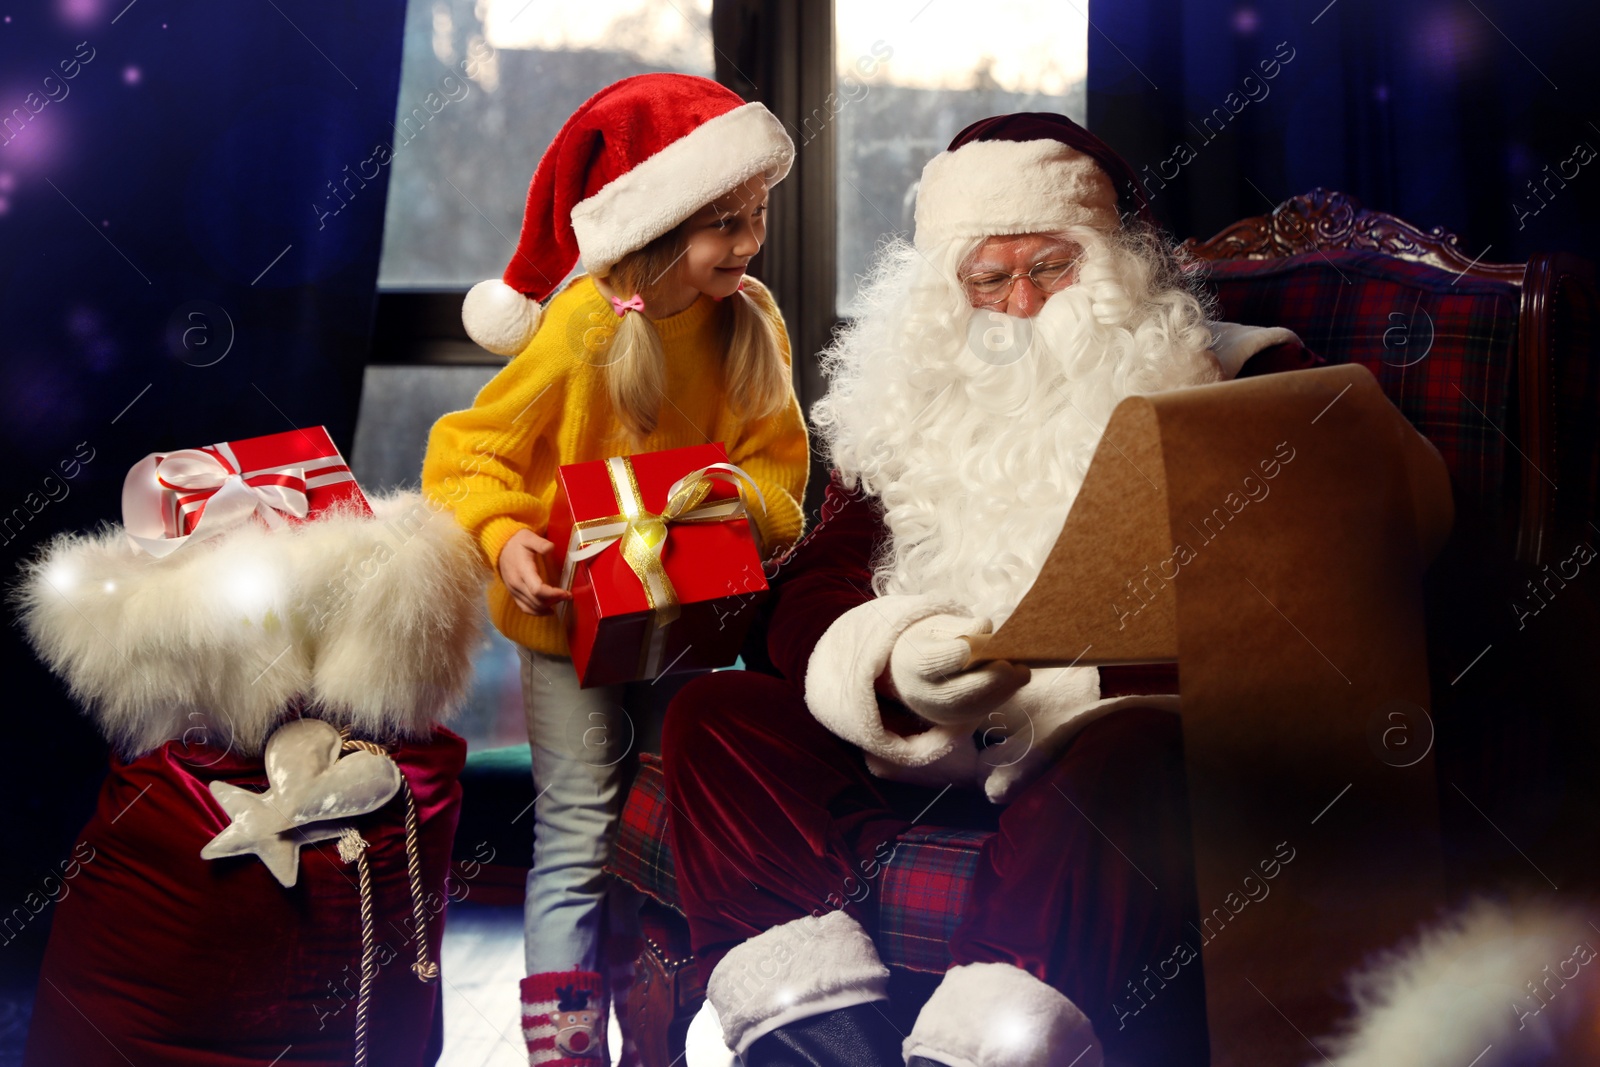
x: 911, y: 74
x: 869, y: 90
x: 484, y: 87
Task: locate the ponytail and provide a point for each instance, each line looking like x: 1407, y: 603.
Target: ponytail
x: 636, y: 370
x: 756, y: 377
x: 758, y: 380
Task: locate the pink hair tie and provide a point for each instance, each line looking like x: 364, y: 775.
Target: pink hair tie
x: 633, y: 303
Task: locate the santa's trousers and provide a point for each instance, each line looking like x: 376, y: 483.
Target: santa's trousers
x: 1087, y: 883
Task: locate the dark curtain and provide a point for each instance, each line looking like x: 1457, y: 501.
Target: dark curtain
x: 1440, y: 111
x: 190, y: 224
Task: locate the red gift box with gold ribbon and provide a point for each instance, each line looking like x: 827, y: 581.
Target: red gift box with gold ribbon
x: 171, y: 498
x: 661, y: 561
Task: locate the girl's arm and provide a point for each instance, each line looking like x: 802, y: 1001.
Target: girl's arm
x: 484, y: 463
x: 776, y: 453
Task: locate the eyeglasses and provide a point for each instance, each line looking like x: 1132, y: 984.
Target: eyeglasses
x: 1050, y: 276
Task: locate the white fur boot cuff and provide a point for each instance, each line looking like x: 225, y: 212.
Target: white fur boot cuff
x: 803, y: 968
x: 997, y: 1015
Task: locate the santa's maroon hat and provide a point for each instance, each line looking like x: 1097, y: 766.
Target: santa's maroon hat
x: 635, y: 160
x: 1030, y: 172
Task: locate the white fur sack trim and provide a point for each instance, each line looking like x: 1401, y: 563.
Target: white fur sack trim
x: 719, y: 155
x: 997, y: 1015
x: 1233, y: 343
x: 372, y: 619
x: 499, y: 318
x: 805, y: 967
x: 990, y: 188
x: 843, y: 668
x: 1524, y: 978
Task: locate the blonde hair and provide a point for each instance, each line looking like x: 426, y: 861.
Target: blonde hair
x: 753, y: 370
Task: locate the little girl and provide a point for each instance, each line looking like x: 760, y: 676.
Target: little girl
x: 659, y: 185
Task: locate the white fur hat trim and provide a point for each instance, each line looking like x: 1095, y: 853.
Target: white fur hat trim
x: 709, y: 161
x: 994, y: 188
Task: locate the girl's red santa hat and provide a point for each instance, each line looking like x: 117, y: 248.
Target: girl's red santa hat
x: 1030, y: 172
x: 638, y: 158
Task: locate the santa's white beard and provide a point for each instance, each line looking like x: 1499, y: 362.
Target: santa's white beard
x: 977, y: 460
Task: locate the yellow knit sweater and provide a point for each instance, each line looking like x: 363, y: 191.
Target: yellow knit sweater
x: 495, y: 463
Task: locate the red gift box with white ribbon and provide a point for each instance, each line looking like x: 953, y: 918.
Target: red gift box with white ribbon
x: 662, y: 564
x: 172, y: 498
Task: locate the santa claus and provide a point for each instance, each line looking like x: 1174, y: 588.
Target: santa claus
x: 966, y: 403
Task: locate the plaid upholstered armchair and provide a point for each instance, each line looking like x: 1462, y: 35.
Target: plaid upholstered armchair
x: 1491, y: 362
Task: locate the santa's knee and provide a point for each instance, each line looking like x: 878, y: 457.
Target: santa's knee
x: 711, y: 713
x: 1127, y: 744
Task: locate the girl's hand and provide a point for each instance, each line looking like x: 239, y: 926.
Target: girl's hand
x: 522, y: 569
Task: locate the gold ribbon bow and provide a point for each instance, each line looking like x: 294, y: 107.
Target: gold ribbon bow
x: 643, y: 534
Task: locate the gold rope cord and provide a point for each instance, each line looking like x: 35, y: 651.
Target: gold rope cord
x: 353, y: 849
x: 354, y: 744
x: 425, y: 969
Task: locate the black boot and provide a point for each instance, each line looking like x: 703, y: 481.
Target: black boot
x: 857, y: 1036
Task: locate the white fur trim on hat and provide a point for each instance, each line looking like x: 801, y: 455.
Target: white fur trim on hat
x: 373, y: 618
x: 499, y: 318
x: 997, y: 1015
x: 844, y: 666
x: 991, y: 188
x: 805, y: 967
x: 718, y: 155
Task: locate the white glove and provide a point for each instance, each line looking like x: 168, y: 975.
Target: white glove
x: 1026, y: 734
x: 927, y: 665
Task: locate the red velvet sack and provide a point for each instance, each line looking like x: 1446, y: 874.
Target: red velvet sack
x: 160, y: 957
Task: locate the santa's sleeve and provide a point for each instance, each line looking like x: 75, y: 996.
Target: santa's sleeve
x: 1291, y: 355
x: 830, y: 637
x: 825, y: 575
x: 1246, y: 351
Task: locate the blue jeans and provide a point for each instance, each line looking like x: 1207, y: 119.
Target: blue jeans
x: 585, y: 744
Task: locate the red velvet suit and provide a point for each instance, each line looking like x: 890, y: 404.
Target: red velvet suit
x: 1087, y: 883
x: 1087, y: 880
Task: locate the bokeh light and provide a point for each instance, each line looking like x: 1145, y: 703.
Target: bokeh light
x: 80, y: 12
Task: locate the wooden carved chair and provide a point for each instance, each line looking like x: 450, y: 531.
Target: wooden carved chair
x: 1492, y: 362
